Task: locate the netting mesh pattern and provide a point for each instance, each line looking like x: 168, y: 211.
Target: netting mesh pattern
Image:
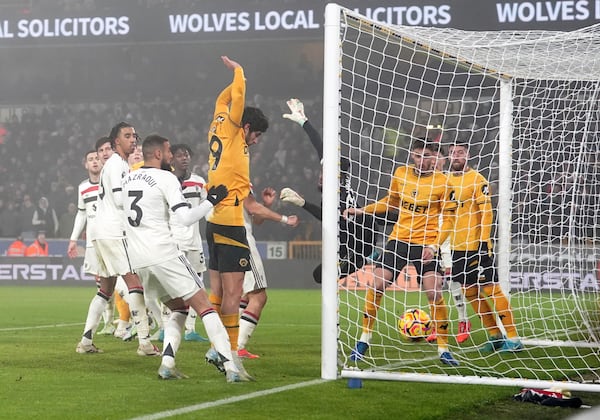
x: 399, y: 84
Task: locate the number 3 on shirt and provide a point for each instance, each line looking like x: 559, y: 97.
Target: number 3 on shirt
x: 134, y: 207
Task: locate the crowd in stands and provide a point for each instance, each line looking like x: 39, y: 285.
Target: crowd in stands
x: 42, y: 148
x: 42, y: 153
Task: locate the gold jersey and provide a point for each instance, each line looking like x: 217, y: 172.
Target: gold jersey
x: 228, y: 160
x: 420, y: 200
x: 473, y: 223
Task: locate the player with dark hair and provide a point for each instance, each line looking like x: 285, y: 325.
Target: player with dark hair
x: 153, y: 197
x: 188, y: 237
x: 357, y: 236
x: 234, y: 128
x: 110, y: 243
x: 87, y: 200
x: 421, y: 194
x: 104, y: 148
x: 473, y: 262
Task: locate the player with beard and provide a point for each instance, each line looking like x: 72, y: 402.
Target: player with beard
x: 152, y: 196
x: 473, y: 262
x: 422, y: 195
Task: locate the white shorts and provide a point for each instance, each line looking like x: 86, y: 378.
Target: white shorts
x: 255, y: 279
x: 196, y: 259
x: 174, y: 278
x: 113, y: 259
x: 90, y: 261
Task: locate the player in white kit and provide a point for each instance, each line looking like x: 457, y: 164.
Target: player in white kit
x: 87, y: 201
x: 188, y: 237
x: 109, y: 237
x: 151, y: 194
x: 254, y: 298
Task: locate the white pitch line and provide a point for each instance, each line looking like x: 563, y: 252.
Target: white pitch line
x: 37, y: 327
x: 211, y: 404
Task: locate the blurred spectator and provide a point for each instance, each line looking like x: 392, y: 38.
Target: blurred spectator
x: 39, y: 247
x: 44, y: 217
x: 17, y: 248
x: 10, y: 220
x: 27, y: 211
x: 66, y: 221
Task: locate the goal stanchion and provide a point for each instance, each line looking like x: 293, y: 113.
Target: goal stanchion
x: 526, y: 103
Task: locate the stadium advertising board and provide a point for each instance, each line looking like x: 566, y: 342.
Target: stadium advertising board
x: 532, y: 268
x: 128, y: 23
x: 43, y: 271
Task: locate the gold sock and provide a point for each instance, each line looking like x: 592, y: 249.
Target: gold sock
x: 502, y: 308
x: 439, y: 314
x: 216, y: 302
x: 232, y: 325
x: 482, y: 309
x: 122, y: 307
x: 372, y: 302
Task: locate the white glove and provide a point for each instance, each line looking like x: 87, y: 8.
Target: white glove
x: 290, y: 196
x: 297, y: 109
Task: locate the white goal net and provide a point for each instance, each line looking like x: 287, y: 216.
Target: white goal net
x: 527, y: 105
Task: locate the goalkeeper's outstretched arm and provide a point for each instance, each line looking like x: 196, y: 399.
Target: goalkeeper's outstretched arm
x: 290, y: 196
x: 298, y: 116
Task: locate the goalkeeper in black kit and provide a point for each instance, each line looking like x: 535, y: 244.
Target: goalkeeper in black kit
x: 357, y: 236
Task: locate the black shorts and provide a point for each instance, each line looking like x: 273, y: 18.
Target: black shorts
x: 228, y: 248
x: 397, y: 255
x: 472, y: 267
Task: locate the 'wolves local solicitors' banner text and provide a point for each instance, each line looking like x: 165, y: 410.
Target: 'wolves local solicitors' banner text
x: 211, y: 20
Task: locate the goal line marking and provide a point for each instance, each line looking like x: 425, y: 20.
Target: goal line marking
x: 217, y: 403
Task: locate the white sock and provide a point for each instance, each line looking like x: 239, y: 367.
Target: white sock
x: 165, y: 314
x: 95, y: 310
x: 172, y: 340
x: 248, y: 323
x: 108, y: 314
x: 153, y: 306
x: 366, y: 337
x: 459, y: 300
x: 190, y: 322
x: 139, y: 316
x: 218, y: 336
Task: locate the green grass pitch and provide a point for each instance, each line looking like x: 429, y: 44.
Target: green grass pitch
x: 41, y: 376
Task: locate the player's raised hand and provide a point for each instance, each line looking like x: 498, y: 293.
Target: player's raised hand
x: 297, y: 111
x: 290, y: 196
x: 229, y: 63
x: 268, y: 196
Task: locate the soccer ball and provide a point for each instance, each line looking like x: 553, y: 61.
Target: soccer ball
x: 415, y: 324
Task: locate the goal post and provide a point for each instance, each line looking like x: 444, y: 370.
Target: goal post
x: 526, y: 102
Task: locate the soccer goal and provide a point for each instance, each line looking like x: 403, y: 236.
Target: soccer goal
x: 527, y: 103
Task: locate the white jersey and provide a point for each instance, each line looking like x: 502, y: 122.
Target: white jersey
x: 188, y: 237
x: 87, y: 203
x: 255, y: 279
x: 149, y: 194
x: 109, y: 218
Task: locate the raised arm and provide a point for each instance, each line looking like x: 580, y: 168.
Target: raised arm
x: 298, y: 116
x: 232, y: 99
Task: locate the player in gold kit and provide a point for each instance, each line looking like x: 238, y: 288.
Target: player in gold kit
x: 420, y: 194
x: 473, y: 263
x: 234, y: 128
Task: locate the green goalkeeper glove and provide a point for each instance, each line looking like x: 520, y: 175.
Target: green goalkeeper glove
x: 297, y: 109
x: 290, y: 196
